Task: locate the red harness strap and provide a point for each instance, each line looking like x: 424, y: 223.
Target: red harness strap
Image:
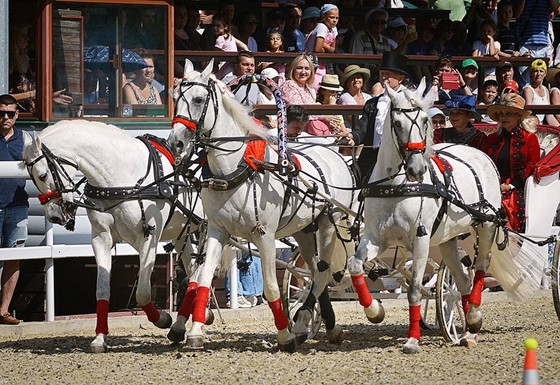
x: 163, y: 150
x: 184, y: 121
x: 255, y: 152
x: 441, y: 163
x: 414, y: 146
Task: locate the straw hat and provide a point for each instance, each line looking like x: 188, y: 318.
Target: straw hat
x: 330, y: 82
x: 354, y: 69
x: 508, y: 103
x: 551, y: 75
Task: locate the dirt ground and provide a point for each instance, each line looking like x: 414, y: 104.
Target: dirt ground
x: 242, y: 349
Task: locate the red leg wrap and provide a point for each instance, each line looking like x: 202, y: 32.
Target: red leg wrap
x: 188, y: 300
x: 280, y: 319
x: 478, y: 285
x: 151, y: 312
x: 414, y: 322
x: 465, y: 303
x: 200, y: 302
x: 360, y: 285
x: 102, y: 326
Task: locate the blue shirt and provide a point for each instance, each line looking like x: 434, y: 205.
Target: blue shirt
x: 533, y: 22
x: 12, y: 190
x: 294, y: 42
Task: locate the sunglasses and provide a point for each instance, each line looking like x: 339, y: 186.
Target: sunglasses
x: 381, y: 22
x: 11, y: 114
x: 253, y: 22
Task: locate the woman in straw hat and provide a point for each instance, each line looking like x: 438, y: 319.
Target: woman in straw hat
x: 515, y: 150
x: 354, y: 83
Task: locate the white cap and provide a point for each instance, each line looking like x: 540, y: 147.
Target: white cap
x: 435, y: 111
x: 270, y: 73
x: 397, y: 22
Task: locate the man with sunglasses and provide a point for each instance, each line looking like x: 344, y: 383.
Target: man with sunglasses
x: 13, y: 204
x: 294, y: 39
x: 370, y: 40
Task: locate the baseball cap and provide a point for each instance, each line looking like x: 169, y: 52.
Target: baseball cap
x: 270, y: 73
x: 435, y: 111
x: 538, y: 64
x: 469, y: 63
x: 504, y: 64
x: 311, y: 13
x: 397, y: 22
x: 490, y: 82
x: 511, y: 85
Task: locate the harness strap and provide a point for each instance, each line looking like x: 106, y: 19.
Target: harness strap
x: 406, y: 190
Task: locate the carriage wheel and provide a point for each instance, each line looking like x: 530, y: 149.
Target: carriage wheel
x: 555, y: 276
x: 295, y: 287
x: 450, y: 314
x: 428, y: 317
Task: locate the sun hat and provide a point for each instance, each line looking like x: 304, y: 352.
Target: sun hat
x: 392, y: 61
x: 376, y: 9
x: 508, y: 103
x: 551, y: 75
x: 469, y: 63
x: 512, y: 85
x: 352, y: 70
x: 270, y: 73
x: 464, y: 103
x: 330, y: 82
x: 397, y: 22
x: 311, y: 13
x: 434, y: 111
x: 538, y: 64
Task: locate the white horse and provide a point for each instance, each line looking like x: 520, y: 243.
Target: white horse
x: 259, y: 206
x: 116, y: 166
x: 411, y: 195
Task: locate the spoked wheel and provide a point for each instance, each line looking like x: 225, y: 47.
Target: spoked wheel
x: 428, y: 317
x: 555, y: 278
x: 450, y: 314
x: 296, y: 287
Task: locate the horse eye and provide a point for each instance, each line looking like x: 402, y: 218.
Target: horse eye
x: 43, y: 177
x: 397, y: 124
x: 198, y: 100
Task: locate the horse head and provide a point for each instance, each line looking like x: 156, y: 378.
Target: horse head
x: 196, y: 108
x: 54, y: 178
x: 411, y: 129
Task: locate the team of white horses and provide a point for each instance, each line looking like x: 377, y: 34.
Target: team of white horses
x: 130, y: 197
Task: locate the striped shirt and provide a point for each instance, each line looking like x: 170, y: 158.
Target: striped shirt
x: 361, y: 44
x: 534, y: 22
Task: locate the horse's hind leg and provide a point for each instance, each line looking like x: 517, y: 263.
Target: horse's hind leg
x: 366, y: 250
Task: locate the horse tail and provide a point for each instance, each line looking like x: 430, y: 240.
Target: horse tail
x: 518, y: 267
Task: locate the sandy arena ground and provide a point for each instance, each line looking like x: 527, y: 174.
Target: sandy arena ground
x: 243, y: 350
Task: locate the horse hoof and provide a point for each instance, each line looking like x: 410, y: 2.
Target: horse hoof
x: 289, y: 347
x: 209, y: 317
x: 195, y: 342
x: 165, y: 321
x: 176, y: 335
x: 377, y: 318
x: 336, y: 335
x: 301, y: 338
x: 411, y: 346
x: 475, y: 326
x: 98, y: 345
x: 469, y: 340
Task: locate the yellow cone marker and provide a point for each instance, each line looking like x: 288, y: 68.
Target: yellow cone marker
x: 530, y: 369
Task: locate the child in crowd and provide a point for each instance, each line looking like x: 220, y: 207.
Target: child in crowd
x: 487, y: 46
x: 506, y: 35
x: 487, y: 96
x: 323, y: 38
x: 274, y: 44
x: 469, y: 70
x: 225, y: 41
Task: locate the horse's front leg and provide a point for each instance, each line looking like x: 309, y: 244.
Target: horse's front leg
x: 215, y: 245
x: 367, y: 250
x: 102, y: 244
x: 420, y: 252
x: 267, y: 249
x: 159, y: 318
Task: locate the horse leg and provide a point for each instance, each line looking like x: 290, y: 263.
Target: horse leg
x: 159, y: 318
x: 101, y: 244
x: 414, y: 294
x: 215, y: 246
x: 375, y: 313
x: 266, y: 246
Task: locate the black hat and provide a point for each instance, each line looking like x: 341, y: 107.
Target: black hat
x: 392, y: 61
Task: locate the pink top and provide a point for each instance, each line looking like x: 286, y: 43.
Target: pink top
x: 227, y: 45
x: 294, y: 93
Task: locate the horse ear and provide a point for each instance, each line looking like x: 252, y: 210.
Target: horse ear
x: 189, y: 67
x: 429, y: 97
x: 392, y: 94
x: 421, y: 87
x: 36, y: 142
x: 208, y: 70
